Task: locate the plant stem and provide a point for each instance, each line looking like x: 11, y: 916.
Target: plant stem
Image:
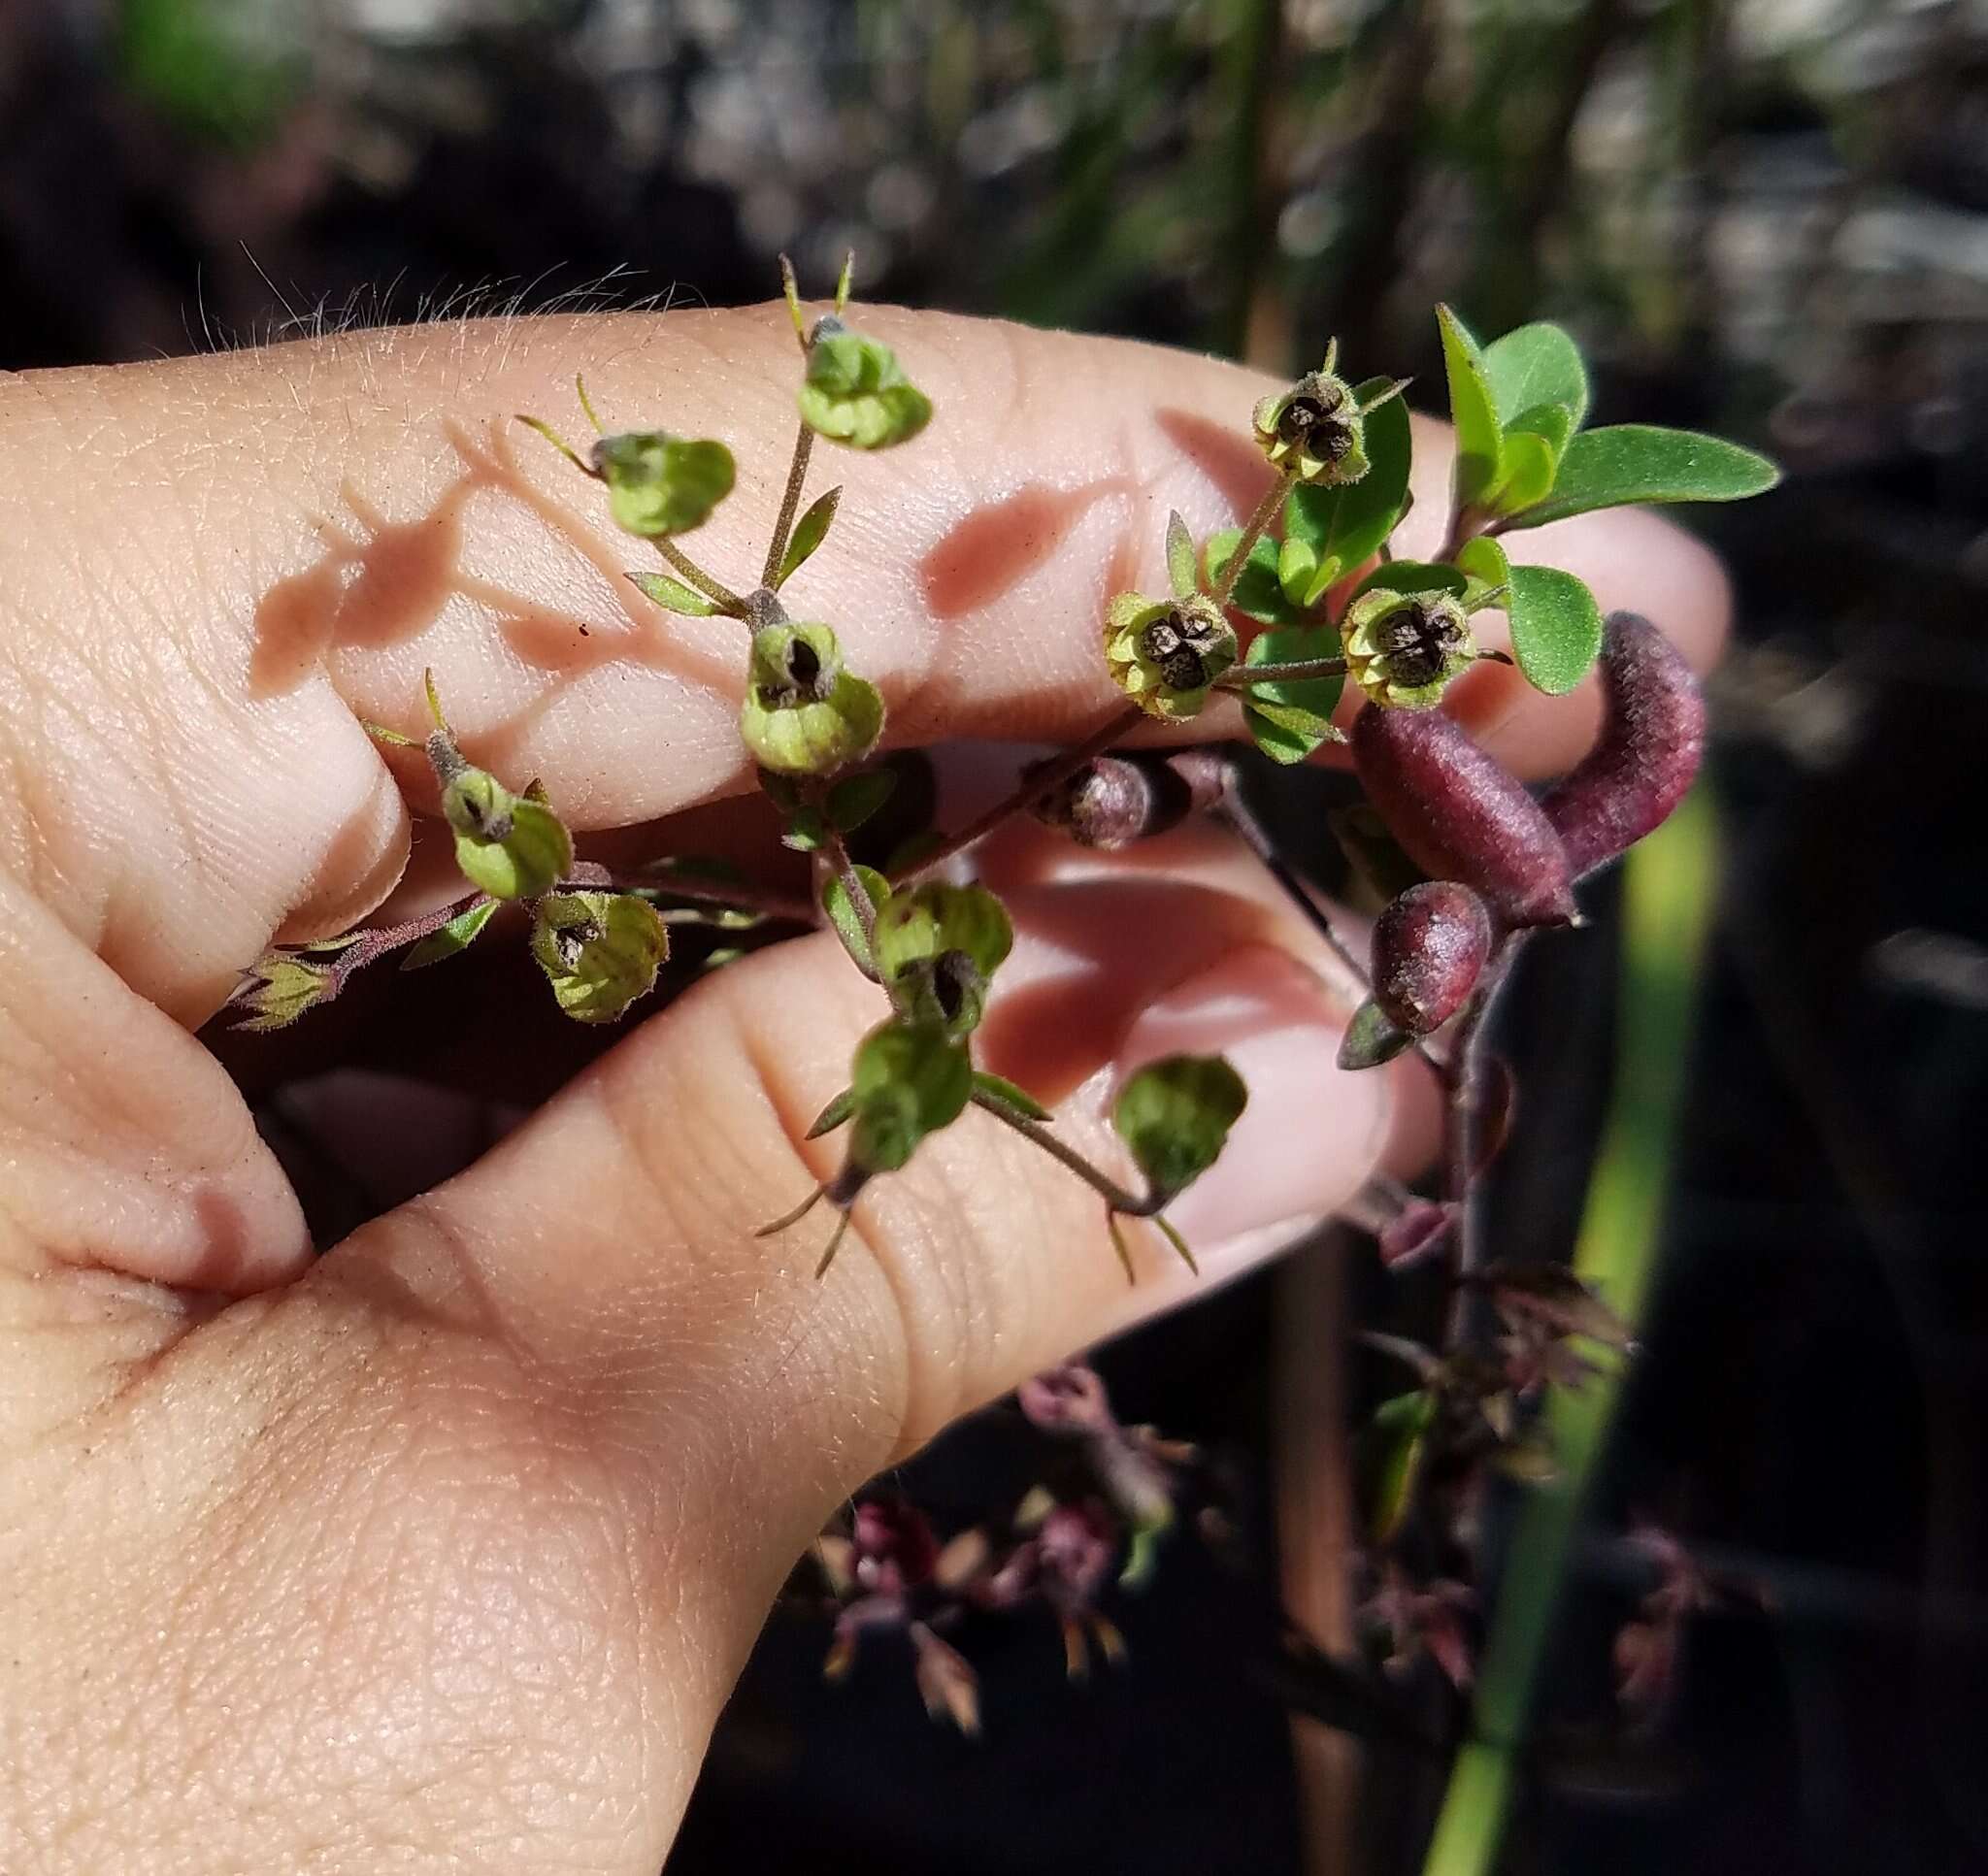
x: 1667, y: 912
x: 741, y: 897
x: 852, y: 884
x: 1462, y: 1073
x: 790, y: 503
x: 1254, y: 532
x: 1042, y: 781
x: 716, y: 591
x: 1297, y: 671
x: 1254, y: 835
x: 382, y: 940
x: 1106, y: 1187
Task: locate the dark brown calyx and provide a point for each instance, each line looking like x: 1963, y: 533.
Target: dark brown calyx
x: 1175, y: 641
x: 1421, y: 642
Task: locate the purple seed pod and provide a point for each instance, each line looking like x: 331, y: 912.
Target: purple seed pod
x: 1114, y: 801
x: 1462, y: 815
x: 1652, y: 739
x: 1429, y: 946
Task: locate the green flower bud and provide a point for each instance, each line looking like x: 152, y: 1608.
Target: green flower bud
x: 1404, y: 648
x: 662, y: 484
x: 506, y: 846
x: 938, y: 945
x: 1174, y: 1114
x: 600, y: 951
x: 279, y: 987
x: 855, y: 391
x: 804, y: 714
x: 908, y: 1080
x: 1165, y: 653
x: 474, y: 801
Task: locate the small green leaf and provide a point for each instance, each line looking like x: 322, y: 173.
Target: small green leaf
x: 1634, y: 463
x: 1371, y: 1039
x: 1004, y: 1094
x: 852, y: 801
x: 1556, y: 626
x: 806, y: 831
x: 847, y: 921
x: 855, y: 392
x: 1287, y: 721
x: 808, y: 534
x: 1257, y: 594
x: 532, y: 854
x: 1404, y: 1423
x: 599, y: 950
x: 458, y: 934
x: 1529, y: 470
x: 1415, y: 577
x: 1298, y: 571
x: 1535, y: 365
x: 1479, y: 435
x: 1180, y: 1250
x: 1175, y: 1115
x: 834, y: 1115
x: 1552, y: 423
x: 1483, y: 561
x: 659, y: 484
x: 1347, y: 524
x: 673, y: 596
x: 1180, y: 556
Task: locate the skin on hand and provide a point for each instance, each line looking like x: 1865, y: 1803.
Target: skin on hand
x: 443, y: 1551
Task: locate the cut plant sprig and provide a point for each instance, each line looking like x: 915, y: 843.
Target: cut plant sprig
x: 287, y: 980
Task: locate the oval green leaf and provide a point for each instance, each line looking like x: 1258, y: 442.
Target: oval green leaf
x: 843, y: 914
x: 1640, y: 463
x: 1556, y: 627
x: 673, y: 596
x: 1287, y: 721
x: 1535, y: 365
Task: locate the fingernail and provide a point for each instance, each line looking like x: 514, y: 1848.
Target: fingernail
x: 1311, y: 1130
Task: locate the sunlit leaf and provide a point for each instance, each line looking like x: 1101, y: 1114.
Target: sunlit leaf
x: 1479, y: 435
x: 1288, y: 720
x: 1638, y: 463
x: 808, y: 533
x: 1537, y: 365
x: 673, y: 596
x: 458, y: 934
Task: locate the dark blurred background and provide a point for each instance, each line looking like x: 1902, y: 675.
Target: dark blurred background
x: 1766, y: 216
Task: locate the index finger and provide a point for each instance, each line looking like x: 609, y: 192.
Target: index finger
x: 225, y: 560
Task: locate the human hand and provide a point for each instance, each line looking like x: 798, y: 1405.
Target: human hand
x: 442, y: 1550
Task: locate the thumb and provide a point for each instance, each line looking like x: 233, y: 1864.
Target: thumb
x: 614, y: 1240
x: 720, y: 1398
